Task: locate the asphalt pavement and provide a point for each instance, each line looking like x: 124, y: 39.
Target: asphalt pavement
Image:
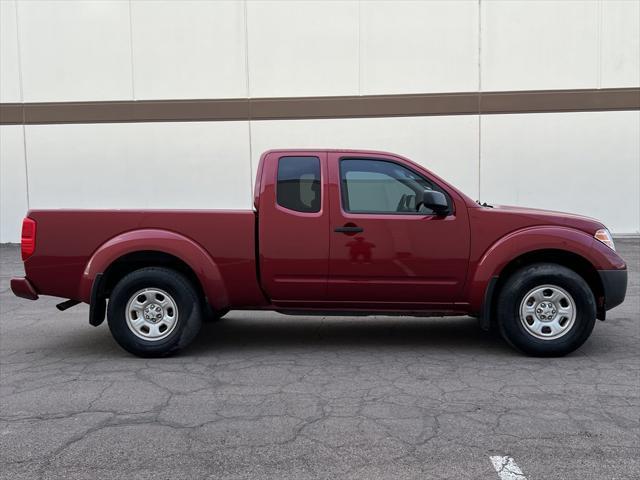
x: 267, y: 396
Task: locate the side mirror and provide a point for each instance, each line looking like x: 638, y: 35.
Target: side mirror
x: 436, y: 201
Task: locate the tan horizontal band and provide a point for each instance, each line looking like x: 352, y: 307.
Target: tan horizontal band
x: 468, y: 103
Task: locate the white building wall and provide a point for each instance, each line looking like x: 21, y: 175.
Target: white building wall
x: 74, y: 50
x: 9, y: 62
x: 78, y: 50
x: 417, y: 47
x: 13, y: 182
x: 139, y: 165
x: 532, y: 45
x: 188, y: 49
x: 620, y: 43
x: 586, y: 162
x: 302, y: 48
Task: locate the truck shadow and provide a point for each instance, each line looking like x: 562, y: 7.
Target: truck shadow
x: 242, y: 330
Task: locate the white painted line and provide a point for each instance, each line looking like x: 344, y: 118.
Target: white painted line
x: 507, y: 469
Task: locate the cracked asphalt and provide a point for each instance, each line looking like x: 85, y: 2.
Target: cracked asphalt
x: 266, y: 396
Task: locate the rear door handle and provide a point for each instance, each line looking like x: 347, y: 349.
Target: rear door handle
x: 348, y: 229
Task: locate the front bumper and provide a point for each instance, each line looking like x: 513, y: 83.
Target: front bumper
x: 614, y: 285
x: 22, y: 287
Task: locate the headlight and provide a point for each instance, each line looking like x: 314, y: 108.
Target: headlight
x: 605, y: 237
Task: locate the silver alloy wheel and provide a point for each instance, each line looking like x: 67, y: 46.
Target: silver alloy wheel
x: 547, y: 312
x: 152, y: 314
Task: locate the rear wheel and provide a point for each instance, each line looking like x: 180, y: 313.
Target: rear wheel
x: 546, y: 309
x: 154, y: 312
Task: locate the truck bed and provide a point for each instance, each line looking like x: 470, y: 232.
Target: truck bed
x: 66, y: 240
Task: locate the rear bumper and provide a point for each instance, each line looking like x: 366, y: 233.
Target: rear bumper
x: 22, y: 287
x: 614, y: 284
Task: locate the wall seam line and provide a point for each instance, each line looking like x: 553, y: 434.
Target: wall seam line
x: 24, y: 123
x: 599, y: 39
x: 133, y: 83
x: 248, y: 86
x: 479, y: 100
x: 360, y: 47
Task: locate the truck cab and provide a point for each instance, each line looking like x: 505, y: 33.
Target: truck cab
x: 351, y: 229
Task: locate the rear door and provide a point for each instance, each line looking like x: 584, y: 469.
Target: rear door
x: 384, y: 253
x: 293, y: 226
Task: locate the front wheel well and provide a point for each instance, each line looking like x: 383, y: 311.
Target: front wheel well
x: 575, y: 262
x: 147, y: 258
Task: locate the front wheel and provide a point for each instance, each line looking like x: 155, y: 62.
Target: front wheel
x: 546, y: 309
x: 154, y: 312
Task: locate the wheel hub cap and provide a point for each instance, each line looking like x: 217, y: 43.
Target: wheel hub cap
x: 547, y: 312
x: 152, y: 314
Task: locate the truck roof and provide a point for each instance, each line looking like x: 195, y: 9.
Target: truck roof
x: 345, y: 150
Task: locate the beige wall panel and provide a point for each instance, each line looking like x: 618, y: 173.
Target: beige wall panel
x: 141, y: 165
x: 417, y: 47
x: 536, y: 45
x: 305, y: 48
x: 188, y: 49
x: 586, y: 163
x: 13, y: 184
x: 9, y: 60
x: 75, y: 50
x: 620, y: 43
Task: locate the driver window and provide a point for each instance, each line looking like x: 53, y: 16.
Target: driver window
x: 378, y: 186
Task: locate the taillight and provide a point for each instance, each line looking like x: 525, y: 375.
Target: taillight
x: 28, y: 240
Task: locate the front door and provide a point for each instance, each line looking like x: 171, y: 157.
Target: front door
x: 383, y: 253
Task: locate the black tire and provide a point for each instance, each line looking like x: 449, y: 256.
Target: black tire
x: 184, y: 295
x: 524, y: 281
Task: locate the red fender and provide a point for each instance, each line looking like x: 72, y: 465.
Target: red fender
x: 529, y: 240
x: 163, y: 241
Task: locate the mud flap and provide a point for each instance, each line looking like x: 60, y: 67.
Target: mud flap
x: 98, y: 305
x: 487, y: 305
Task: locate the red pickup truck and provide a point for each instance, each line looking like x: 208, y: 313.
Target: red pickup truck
x: 353, y: 232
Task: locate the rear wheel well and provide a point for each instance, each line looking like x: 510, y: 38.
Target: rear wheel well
x: 148, y: 258
x: 575, y: 262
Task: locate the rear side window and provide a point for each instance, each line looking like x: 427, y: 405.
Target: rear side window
x: 298, y: 186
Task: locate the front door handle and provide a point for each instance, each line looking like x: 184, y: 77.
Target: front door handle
x: 348, y: 229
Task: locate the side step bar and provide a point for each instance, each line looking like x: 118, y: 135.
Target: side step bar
x: 67, y: 304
